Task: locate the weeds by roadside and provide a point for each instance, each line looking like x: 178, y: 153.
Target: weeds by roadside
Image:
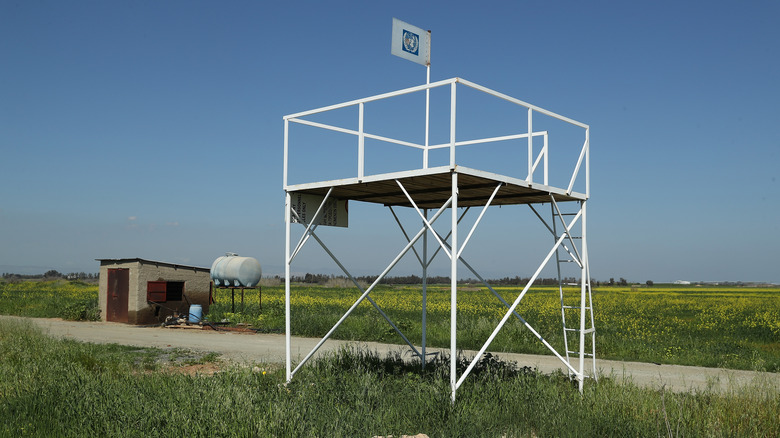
x: 54, y: 387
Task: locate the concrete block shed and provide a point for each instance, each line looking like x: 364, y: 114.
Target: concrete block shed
x: 139, y: 291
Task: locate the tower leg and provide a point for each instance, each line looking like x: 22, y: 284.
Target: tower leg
x: 454, y: 287
x: 287, y: 333
x: 424, y: 289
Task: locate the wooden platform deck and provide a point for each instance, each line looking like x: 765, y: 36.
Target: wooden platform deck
x: 431, y: 188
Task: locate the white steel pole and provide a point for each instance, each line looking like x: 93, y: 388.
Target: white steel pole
x: 586, y: 262
x: 454, y: 285
x: 361, y: 143
x: 454, y: 247
x: 287, y: 333
x: 453, y: 94
x: 286, y: 154
x: 427, y: 114
x: 435, y: 253
x: 583, y: 296
x: 576, y: 172
x: 587, y: 162
x: 546, y: 159
x: 424, y: 287
x: 530, y: 146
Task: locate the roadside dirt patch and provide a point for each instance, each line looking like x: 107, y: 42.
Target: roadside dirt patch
x: 204, y: 369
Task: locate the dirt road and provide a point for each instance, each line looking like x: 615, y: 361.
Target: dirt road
x: 269, y: 348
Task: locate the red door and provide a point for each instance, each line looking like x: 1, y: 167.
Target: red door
x: 118, y: 291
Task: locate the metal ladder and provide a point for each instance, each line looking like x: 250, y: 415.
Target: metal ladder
x: 577, y: 306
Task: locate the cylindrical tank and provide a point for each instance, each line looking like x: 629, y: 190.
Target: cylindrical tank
x: 232, y: 270
x: 215, y: 268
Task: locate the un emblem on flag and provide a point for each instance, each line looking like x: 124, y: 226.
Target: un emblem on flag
x: 411, y: 43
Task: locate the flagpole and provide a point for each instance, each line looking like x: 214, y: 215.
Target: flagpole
x: 427, y: 112
x: 414, y: 44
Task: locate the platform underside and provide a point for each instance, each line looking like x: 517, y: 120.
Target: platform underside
x: 431, y: 188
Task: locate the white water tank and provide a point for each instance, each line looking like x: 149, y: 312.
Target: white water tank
x: 232, y: 270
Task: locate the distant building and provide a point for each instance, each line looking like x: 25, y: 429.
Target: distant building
x: 139, y: 291
x: 682, y: 282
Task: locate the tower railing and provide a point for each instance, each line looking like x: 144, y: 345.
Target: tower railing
x: 537, y: 157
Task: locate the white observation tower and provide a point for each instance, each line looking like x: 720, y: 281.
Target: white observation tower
x: 445, y: 191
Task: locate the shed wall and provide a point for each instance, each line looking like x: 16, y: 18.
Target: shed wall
x: 196, y: 289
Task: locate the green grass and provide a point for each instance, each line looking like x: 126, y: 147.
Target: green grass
x: 731, y: 327
x: 63, y: 388
x: 72, y: 300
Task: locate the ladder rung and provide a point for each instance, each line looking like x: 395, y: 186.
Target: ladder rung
x: 566, y: 261
x: 575, y: 307
x: 577, y: 352
x: 572, y: 284
x: 587, y: 331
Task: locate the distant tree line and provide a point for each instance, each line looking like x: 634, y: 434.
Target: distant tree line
x: 52, y: 275
x: 323, y: 279
x: 621, y: 282
x: 415, y: 279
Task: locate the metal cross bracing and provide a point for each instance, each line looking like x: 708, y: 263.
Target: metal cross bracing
x: 457, y: 189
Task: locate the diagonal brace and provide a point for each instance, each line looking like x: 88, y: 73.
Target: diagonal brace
x: 514, y: 312
x: 370, y: 288
x: 430, y: 260
x: 555, y: 235
x: 512, y: 308
x: 310, y: 227
x: 403, y: 230
x: 370, y: 300
x: 425, y: 221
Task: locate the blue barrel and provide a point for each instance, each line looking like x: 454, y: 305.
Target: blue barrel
x: 196, y: 313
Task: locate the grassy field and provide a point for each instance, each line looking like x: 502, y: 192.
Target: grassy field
x: 64, y: 388
x: 73, y: 300
x: 731, y: 327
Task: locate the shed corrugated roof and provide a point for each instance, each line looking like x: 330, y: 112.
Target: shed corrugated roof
x: 136, y: 259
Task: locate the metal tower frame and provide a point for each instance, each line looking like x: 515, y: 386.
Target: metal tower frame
x: 452, y: 187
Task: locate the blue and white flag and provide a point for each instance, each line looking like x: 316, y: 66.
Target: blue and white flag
x: 411, y: 42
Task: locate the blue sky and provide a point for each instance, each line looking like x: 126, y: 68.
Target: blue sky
x: 154, y: 129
